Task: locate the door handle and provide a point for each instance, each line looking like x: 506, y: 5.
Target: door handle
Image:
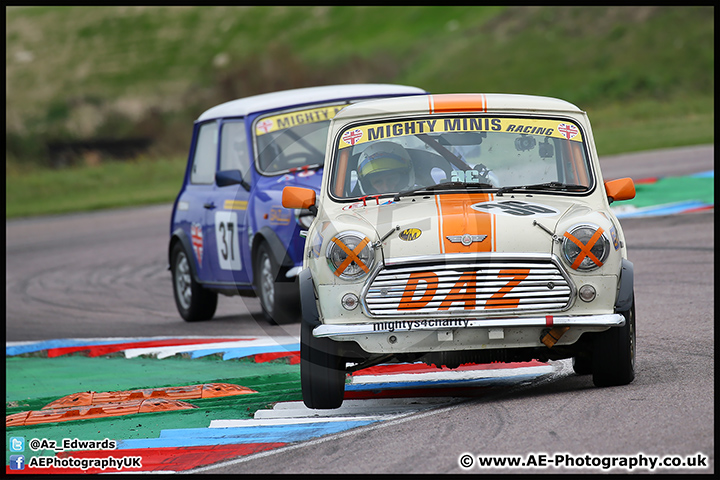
x: 209, y: 205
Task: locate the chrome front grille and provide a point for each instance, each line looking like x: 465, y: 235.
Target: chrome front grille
x: 469, y: 284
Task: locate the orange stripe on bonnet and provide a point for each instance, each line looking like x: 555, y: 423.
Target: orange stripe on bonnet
x: 458, y: 102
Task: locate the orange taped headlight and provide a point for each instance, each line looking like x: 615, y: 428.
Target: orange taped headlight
x: 350, y: 255
x: 585, y: 247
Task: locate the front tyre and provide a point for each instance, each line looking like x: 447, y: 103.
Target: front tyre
x: 322, y: 370
x: 194, y: 303
x: 614, y: 353
x: 279, y: 300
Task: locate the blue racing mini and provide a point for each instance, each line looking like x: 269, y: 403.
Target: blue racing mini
x: 229, y: 232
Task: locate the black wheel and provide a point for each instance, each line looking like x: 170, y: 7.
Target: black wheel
x: 279, y: 300
x: 194, y: 303
x: 322, y: 370
x: 614, y: 353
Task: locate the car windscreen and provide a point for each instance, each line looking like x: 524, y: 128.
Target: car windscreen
x: 292, y: 140
x: 460, y: 152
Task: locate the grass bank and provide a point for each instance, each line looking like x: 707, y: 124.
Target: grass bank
x: 81, y: 188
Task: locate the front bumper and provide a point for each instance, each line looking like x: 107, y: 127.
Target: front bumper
x: 447, y: 334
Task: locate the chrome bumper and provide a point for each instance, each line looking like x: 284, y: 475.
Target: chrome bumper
x: 342, y: 332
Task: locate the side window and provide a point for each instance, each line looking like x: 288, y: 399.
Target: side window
x: 234, y: 149
x: 203, y: 169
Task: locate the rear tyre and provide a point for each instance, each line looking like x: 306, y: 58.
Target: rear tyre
x: 194, y: 303
x: 614, y: 353
x: 322, y: 370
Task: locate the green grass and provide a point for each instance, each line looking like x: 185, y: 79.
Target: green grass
x: 83, y: 188
x: 645, y: 75
x: 652, y: 124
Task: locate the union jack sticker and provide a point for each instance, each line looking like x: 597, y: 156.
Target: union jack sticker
x: 351, y: 137
x: 264, y: 126
x: 197, y: 241
x: 569, y: 131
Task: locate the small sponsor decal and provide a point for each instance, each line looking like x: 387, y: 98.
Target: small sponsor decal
x: 285, y: 178
x: 351, y: 137
x: 279, y: 215
x: 410, y: 234
x: 265, y: 126
x: 196, y: 234
x: 235, y: 205
x: 614, y: 236
x: 516, y: 208
x: 365, y: 202
x: 318, y: 239
x: 302, y: 172
x: 306, y: 173
x: 569, y: 131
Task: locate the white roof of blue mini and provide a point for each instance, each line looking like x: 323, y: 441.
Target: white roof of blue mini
x: 304, y: 96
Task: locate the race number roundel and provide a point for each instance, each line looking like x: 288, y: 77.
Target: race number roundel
x: 226, y: 236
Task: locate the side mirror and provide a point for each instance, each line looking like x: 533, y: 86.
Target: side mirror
x: 620, y: 189
x: 225, y: 178
x: 298, y: 197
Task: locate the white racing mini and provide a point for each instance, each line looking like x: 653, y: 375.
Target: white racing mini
x: 463, y: 228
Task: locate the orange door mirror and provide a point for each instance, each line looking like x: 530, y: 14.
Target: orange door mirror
x: 620, y: 189
x: 298, y: 197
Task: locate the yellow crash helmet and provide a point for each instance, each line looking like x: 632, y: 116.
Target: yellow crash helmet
x: 383, y: 158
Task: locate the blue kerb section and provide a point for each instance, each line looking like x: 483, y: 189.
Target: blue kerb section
x: 708, y: 174
x: 229, y: 353
x: 195, y: 437
x: 473, y: 382
x: 667, y: 209
x: 240, y: 352
x: 65, y: 343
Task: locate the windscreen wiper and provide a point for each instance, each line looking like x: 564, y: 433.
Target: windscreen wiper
x: 555, y: 186
x: 441, y: 186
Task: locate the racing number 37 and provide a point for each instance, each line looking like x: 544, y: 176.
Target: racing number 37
x: 228, y: 246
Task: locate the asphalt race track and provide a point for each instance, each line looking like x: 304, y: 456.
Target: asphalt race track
x: 104, y: 275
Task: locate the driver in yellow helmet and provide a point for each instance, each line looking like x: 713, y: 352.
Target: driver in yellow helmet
x: 385, y: 167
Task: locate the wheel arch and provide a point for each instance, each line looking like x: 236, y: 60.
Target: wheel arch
x: 277, y: 249
x: 179, y: 236
x: 308, y: 303
x: 625, y: 295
